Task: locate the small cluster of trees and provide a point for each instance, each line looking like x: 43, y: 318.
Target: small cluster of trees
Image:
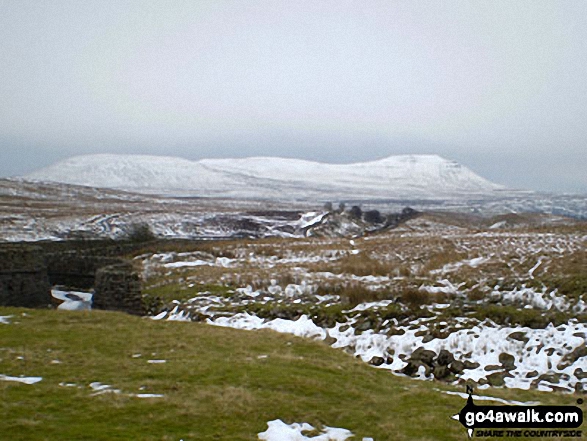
x: 328, y: 206
x: 139, y: 232
x: 355, y: 212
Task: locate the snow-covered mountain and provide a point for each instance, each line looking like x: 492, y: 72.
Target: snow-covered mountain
x: 405, y: 177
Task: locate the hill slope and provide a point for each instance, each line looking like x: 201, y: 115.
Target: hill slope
x: 215, y: 383
x: 406, y: 176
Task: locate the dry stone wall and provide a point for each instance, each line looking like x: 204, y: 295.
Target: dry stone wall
x: 27, y: 273
x: 118, y: 287
x: 24, y: 279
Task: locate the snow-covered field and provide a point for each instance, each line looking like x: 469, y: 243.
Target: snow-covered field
x: 544, y: 356
x: 535, y: 338
x: 31, y: 211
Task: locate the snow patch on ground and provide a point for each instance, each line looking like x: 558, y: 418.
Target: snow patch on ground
x: 100, y: 389
x: 279, y: 431
x: 530, y: 298
x: 73, y: 300
x: 372, y: 305
x: 450, y: 267
x: 24, y: 380
x: 544, y: 352
x: 187, y: 264
x: 302, y: 327
x: 310, y: 219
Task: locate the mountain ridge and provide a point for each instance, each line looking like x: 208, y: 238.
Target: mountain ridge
x: 264, y: 177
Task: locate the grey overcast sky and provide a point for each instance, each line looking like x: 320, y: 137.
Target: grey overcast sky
x: 500, y: 86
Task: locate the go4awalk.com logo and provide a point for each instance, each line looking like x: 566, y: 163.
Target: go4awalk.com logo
x: 520, y: 421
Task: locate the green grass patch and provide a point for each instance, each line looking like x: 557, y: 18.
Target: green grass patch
x: 532, y: 318
x: 218, y: 384
x: 156, y: 297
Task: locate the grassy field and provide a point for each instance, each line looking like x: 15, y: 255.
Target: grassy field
x: 217, y: 383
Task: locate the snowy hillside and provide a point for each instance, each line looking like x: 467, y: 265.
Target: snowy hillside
x: 406, y: 176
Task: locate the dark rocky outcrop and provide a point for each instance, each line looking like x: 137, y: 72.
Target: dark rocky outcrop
x: 441, y: 366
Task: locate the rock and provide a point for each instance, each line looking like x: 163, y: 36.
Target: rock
x: 427, y: 338
x: 497, y: 379
x: 572, y: 357
x: 580, y: 373
x: 532, y: 374
x: 327, y: 322
x: 457, y: 367
x: 507, y: 361
x: 329, y: 340
x: 365, y: 325
x: 441, y: 372
x: 493, y: 367
x: 468, y: 364
x: 395, y: 331
x: 519, y: 336
x: 376, y: 361
x: 553, y: 378
x: 198, y: 317
x: 411, y: 369
x: 426, y: 356
x: 560, y: 389
x: 444, y: 358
